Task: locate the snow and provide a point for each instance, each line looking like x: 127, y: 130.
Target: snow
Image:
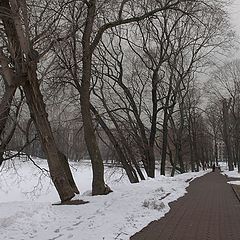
x: 230, y: 174
x: 234, y: 182
x: 27, y: 194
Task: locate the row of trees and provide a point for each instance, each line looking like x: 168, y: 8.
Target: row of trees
x: 128, y: 68
x: 224, y: 111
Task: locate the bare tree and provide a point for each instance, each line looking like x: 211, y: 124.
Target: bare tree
x: 214, y: 121
x: 88, y: 27
x: 225, y: 89
x: 20, y: 47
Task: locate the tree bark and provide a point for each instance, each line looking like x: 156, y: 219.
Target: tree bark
x: 25, y: 73
x: 39, y: 115
x: 67, y: 170
x: 127, y: 167
x: 164, y: 142
x: 5, y: 106
x: 226, y: 135
x: 98, y: 183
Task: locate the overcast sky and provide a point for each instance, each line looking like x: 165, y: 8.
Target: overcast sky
x: 234, y: 11
x: 235, y: 15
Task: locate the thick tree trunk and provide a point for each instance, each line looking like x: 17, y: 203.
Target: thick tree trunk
x: 151, y: 162
x: 179, y: 139
x: 67, y: 170
x: 39, y: 115
x: 195, y: 150
x: 215, y: 151
x: 98, y: 184
x: 193, y: 133
x: 167, y: 114
x: 155, y: 79
x: 5, y: 106
x: 226, y: 135
x: 164, y: 142
x: 25, y: 70
x: 172, y: 163
x: 1, y: 158
x: 192, y: 160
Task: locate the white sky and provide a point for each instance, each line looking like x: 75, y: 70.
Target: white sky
x: 234, y: 11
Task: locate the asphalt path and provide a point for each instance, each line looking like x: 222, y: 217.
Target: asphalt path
x: 209, y: 211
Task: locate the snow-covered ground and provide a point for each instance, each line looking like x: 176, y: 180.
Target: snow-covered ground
x: 231, y: 174
x: 26, y: 195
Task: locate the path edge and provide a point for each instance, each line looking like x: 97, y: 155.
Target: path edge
x: 234, y: 188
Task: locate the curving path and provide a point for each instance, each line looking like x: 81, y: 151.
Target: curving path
x: 209, y: 211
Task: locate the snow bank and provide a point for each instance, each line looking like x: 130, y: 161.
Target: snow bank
x: 234, y: 182
x: 26, y: 211
x: 230, y: 174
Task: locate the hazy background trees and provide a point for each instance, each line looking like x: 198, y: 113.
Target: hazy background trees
x: 224, y: 94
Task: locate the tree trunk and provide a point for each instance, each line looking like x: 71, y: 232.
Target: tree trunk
x: 151, y: 162
x: 127, y: 167
x: 164, y: 142
x: 25, y: 73
x: 226, y: 135
x: 68, y: 172
x: 173, y: 162
x: 215, y: 150
x: 180, y: 158
x: 98, y: 184
x: 148, y: 155
x: 39, y: 115
x: 190, y: 134
x: 139, y: 171
x: 155, y: 79
x: 5, y: 106
x: 195, y: 150
x: 1, y: 158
